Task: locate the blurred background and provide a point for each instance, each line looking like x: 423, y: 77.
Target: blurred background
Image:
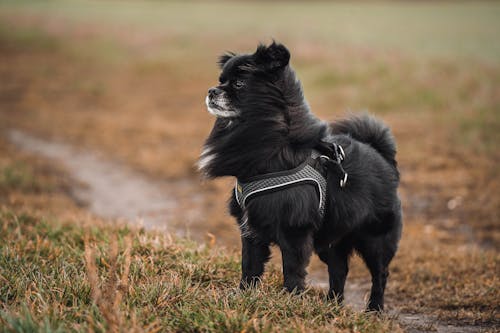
x: 108, y: 97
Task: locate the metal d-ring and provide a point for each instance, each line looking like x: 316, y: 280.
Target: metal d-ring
x: 325, y: 157
x: 343, y: 182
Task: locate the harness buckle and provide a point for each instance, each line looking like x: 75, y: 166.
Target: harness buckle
x: 340, y: 156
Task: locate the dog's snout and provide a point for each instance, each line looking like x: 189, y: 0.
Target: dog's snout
x: 212, y: 92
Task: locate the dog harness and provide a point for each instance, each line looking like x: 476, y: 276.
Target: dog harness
x: 312, y: 171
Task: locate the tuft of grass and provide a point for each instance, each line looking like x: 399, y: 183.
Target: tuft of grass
x: 64, y: 277
x: 26, y: 39
x: 18, y: 176
x: 24, y: 322
x: 481, y: 130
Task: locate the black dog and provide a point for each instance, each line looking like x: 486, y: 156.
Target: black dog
x: 264, y: 126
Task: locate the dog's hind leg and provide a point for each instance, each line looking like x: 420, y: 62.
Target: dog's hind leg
x: 337, y: 259
x: 377, y: 252
x: 255, y: 254
x: 376, y: 260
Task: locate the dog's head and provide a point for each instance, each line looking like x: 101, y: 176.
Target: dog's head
x: 260, y: 109
x: 248, y: 80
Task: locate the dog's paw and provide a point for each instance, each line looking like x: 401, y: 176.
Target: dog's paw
x: 246, y: 283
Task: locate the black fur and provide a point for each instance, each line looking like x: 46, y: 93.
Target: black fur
x: 272, y: 130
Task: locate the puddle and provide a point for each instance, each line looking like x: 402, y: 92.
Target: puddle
x: 113, y: 191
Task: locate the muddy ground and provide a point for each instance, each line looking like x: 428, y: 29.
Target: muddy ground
x: 121, y: 116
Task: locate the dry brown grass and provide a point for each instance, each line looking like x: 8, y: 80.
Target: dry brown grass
x: 109, y: 294
x: 148, y: 113
x: 83, y: 274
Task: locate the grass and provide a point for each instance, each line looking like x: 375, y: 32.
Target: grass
x: 29, y: 38
x: 432, y: 29
x: 128, y: 79
x: 60, y: 277
x: 458, y: 282
x: 482, y: 131
x: 17, y: 176
x: 81, y: 274
x: 77, y: 273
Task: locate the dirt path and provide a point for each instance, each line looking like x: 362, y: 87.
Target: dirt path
x: 356, y: 296
x: 114, y: 191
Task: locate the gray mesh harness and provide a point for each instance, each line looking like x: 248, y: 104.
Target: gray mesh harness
x: 303, y: 174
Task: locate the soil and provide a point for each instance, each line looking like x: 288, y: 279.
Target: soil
x: 114, y: 191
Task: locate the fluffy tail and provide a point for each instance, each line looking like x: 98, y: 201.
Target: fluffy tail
x: 369, y: 130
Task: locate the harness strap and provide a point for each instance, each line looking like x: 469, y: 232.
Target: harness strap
x: 303, y: 174
x: 328, y: 156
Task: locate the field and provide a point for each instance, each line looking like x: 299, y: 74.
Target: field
x: 127, y: 81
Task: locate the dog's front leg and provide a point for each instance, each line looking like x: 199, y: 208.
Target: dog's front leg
x: 296, y: 249
x: 254, y: 256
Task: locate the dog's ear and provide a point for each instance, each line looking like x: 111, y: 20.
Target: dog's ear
x: 273, y: 57
x: 225, y: 58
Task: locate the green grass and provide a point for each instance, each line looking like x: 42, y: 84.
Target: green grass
x: 26, y: 39
x: 481, y: 131
x: 64, y: 277
x: 447, y: 29
x: 19, y: 176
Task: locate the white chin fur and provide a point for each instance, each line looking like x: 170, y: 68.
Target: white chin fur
x: 217, y: 112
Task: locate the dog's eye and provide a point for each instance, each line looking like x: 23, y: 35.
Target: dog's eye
x: 238, y: 84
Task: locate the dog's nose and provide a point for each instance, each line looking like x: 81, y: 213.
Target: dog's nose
x: 213, y: 92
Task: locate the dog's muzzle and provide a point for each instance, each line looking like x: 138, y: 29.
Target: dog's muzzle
x: 218, y: 104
